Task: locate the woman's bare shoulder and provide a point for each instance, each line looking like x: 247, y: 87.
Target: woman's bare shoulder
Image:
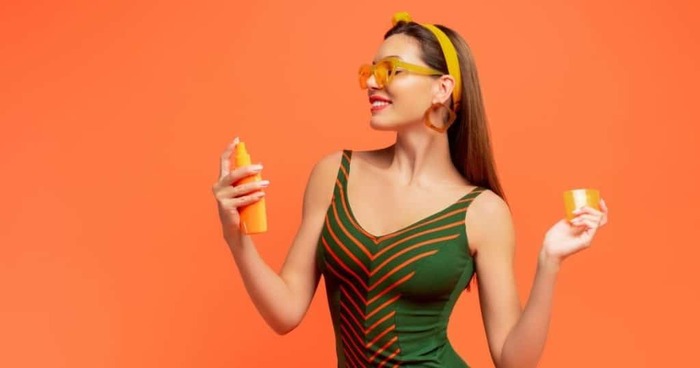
x: 488, y: 203
x: 328, y: 164
x: 489, y: 218
x: 321, y: 182
x: 325, y: 169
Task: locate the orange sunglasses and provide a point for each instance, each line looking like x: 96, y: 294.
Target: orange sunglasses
x: 384, y: 70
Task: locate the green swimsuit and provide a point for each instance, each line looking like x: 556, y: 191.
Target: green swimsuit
x: 391, y: 296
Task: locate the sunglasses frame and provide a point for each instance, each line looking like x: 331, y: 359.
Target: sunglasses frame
x: 394, y: 63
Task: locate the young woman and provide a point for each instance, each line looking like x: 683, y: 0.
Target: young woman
x: 388, y: 228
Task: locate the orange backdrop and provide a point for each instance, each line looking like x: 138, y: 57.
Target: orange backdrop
x: 113, y: 117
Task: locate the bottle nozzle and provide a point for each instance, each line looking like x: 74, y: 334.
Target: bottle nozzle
x: 242, y: 157
x: 240, y: 148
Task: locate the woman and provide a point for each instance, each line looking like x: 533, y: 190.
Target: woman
x: 390, y: 239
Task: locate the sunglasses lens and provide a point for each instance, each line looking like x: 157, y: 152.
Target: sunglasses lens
x: 383, y: 72
x: 365, y: 72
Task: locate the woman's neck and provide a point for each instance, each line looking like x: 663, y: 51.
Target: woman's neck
x: 421, y: 157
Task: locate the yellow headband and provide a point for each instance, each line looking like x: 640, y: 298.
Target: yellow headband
x: 448, y: 50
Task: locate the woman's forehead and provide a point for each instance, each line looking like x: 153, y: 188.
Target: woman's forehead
x: 404, y: 47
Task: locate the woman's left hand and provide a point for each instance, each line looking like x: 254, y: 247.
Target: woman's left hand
x: 566, y: 238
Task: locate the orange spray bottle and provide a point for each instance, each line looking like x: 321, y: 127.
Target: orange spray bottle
x: 253, y: 216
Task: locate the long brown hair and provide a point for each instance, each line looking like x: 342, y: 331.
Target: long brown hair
x: 470, y: 144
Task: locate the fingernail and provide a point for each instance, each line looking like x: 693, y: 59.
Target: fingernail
x: 264, y: 183
x: 257, y: 167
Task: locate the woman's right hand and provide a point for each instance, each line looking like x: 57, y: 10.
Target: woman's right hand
x: 230, y: 196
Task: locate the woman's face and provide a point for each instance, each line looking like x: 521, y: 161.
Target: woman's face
x: 403, y: 102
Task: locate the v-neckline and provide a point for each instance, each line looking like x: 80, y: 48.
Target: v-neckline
x: 378, y: 238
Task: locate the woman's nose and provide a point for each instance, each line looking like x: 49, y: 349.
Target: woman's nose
x: 372, y: 82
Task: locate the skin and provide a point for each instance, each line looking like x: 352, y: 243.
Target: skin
x: 414, y: 178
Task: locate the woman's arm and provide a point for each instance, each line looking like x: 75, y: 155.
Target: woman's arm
x: 526, y: 340
x: 517, y: 336
x: 283, y: 299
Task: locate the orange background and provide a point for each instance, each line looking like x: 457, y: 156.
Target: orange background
x: 113, y: 117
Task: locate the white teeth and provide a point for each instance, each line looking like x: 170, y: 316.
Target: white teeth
x: 379, y: 103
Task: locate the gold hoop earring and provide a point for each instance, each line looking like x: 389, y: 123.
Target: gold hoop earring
x: 451, y: 116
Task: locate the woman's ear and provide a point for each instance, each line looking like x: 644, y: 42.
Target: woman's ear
x: 444, y: 87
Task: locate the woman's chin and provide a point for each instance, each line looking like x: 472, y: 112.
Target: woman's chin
x: 377, y: 124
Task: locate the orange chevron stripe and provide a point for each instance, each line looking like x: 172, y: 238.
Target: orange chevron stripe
x: 347, y: 233
x: 359, y: 325
x: 352, y: 301
x: 401, y: 266
x: 421, y: 223
x: 354, y: 333
x: 346, y: 208
x: 341, y: 263
x: 390, y: 357
x: 351, y: 364
x: 379, y: 308
x: 390, y: 246
x: 388, y: 315
x: 391, y: 287
x: 349, y: 359
x: 355, y: 225
x: 466, y: 200
x: 386, y: 346
x: 418, y: 245
x: 378, y: 337
x: 345, y: 173
x: 358, y: 356
x: 347, y: 282
x: 346, y: 156
x: 358, y: 353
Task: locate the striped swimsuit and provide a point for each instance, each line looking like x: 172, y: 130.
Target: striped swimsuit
x: 391, y: 296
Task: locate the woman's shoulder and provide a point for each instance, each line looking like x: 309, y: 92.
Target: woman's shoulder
x: 321, y: 181
x: 327, y: 166
x: 488, y: 202
x: 489, y: 206
x: 489, y: 218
